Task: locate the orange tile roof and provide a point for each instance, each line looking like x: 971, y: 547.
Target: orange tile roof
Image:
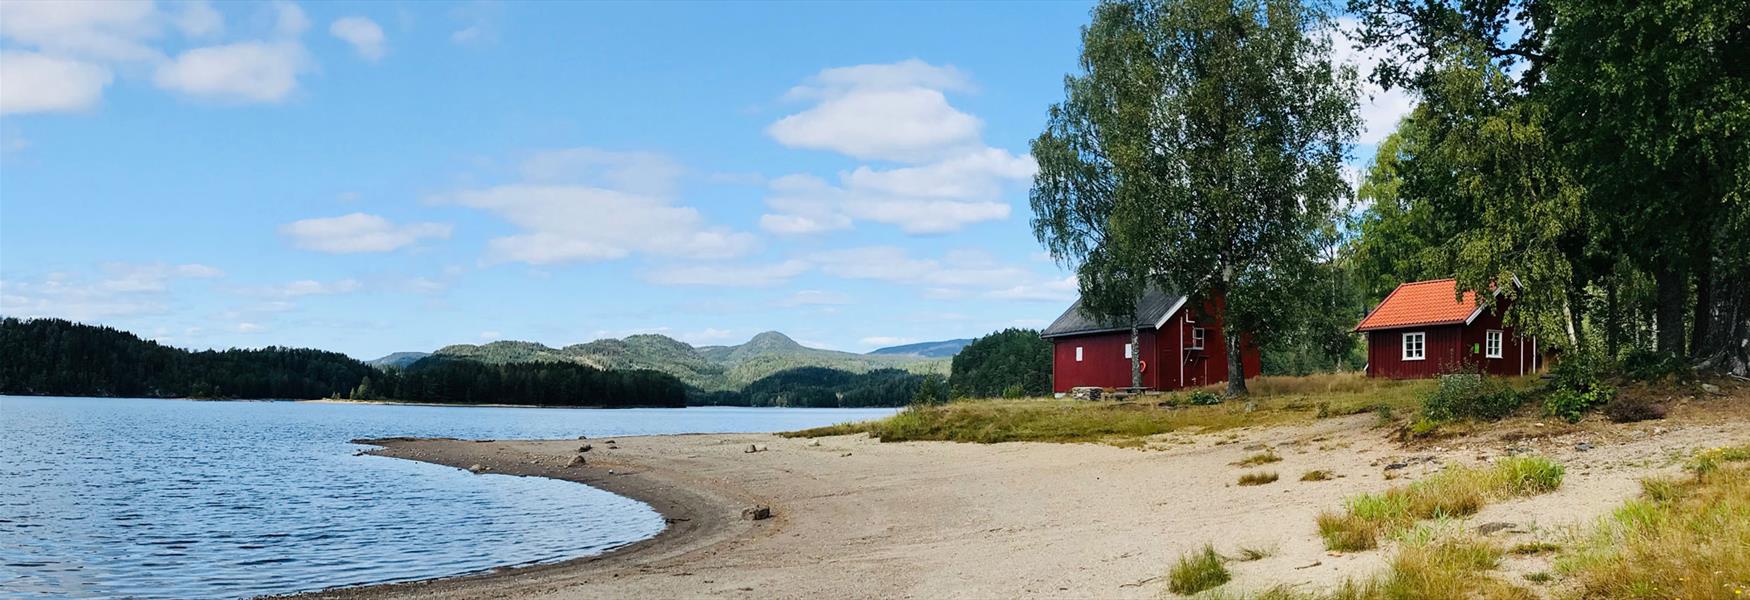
x: 1420, y: 303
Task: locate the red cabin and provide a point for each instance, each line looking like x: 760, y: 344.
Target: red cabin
x: 1424, y: 329
x: 1181, y: 346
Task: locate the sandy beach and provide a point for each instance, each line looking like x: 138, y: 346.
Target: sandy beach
x: 853, y: 517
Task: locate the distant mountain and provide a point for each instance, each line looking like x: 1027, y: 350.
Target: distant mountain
x: 399, y: 360
x: 709, y: 368
x: 942, y: 349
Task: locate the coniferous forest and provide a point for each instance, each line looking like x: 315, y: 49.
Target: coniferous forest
x: 55, y: 357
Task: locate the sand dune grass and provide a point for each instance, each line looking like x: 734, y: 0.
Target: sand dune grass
x: 1451, y: 493
x: 1274, y: 400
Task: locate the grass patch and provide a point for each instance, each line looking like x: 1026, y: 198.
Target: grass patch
x: 1683, y: 538
x: 1316, y: 475
x: 1452, y: 493
x: 1197, y: 571
x: 1258, y: 478
x: 1274, y: 400
x: 1249, y: 554
x: 1431, y: 565
x: 1261, y: 458
x: 1531, y: 548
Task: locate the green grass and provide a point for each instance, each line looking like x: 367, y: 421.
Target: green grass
x: 1275, y: 400
x: 1452, y: 493
x: 1531, y: 548
x: 1431, y: 564
x: 1258, y: 478
x: 1197, y: 571
x: 1683, y: 538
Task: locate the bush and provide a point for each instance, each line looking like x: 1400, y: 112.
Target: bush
x: 1572, y: 405
x: 1203, y: 398
x: 1197, y: 571
x: 1649, y: 365
x: 1629, y: 409
x: 1471, y: 397
x: 1577, y: 386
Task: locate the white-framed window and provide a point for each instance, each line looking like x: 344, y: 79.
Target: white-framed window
x: 1415, y: 346
x: 1492, y: 343
x: 1078, y: 354
x: 1198, y: 335
x: 1127, y: 351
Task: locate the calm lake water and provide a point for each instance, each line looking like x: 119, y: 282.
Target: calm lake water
x: 105, y: 497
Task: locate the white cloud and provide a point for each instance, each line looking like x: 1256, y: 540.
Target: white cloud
x: 609, y: 205
x: 311, y: 287
x: 479, y: 22
x: 706, y: 336
x: 105, y: 30
x: 956, y: 275
x: 289, y: 19
x: 490, y: 335
x: 199, y: 19
x: 884, y: 112
x: 815, y: 298
x: 121, y: 290
x: 894, y: 112
x: 885, y: 340
x: 32, y: 82
x: 240, y: 72
x: 730, y: 276
x: 364, y: 35
x: 247, y: 327
x: 359, y: 232
x: 1380, y: 109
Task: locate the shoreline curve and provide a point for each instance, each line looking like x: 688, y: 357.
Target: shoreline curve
x: 698, y: 514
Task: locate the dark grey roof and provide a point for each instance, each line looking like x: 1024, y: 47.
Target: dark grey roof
x: 1150, y: 309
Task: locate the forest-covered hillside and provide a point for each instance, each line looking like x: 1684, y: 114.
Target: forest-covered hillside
x: 707, y: 368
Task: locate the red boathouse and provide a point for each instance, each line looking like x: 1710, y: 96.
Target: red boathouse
x: 1182, y: 346
x: 1424, y: 329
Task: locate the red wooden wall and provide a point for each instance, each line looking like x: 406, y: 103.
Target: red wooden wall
x: 1104, y: 365
x: 1449, y: 349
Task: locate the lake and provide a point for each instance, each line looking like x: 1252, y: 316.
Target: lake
x: 108, y: 497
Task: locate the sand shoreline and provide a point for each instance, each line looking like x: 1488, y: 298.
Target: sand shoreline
x: 853, y: 517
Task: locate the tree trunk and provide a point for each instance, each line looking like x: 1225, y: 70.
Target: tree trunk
x: 1673, y: 291
x: 1704, y: 303
x: 1576, y: 314
x: 1236, y: 371
x: 1135, y: 357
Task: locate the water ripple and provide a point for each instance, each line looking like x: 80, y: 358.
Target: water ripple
x: 182, y: 499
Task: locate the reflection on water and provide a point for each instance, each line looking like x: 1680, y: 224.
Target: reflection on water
x: 173, y: 498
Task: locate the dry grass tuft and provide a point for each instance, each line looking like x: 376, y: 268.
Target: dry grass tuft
x: 1261, y: 458
x: 1197, y: 571
x: 1452, y: 493
x: 1317, y: 475
x: 1258, y: 478
x: 1687, y: 538
x: 1530, y: 548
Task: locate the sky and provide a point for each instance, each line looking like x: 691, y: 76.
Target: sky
x: 380, y: 177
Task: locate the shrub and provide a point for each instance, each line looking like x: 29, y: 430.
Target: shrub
x: 1258, y: 478
x: 1203, y: 398
x: 1014, y: 391
x: 1571, y: 405
x: 1629, y: 409
x: 1470, y: 397
x: 1650, y: 365
x: 1197, y: 571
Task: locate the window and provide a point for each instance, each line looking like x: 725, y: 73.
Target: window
x: 1127, y: 351
x: 1078, y: 354
x: 1415, y: 346
x: 1492, y: 343
x: 1198, y: 334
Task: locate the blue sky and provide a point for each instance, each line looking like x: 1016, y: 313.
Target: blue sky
x: 378, y: 177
